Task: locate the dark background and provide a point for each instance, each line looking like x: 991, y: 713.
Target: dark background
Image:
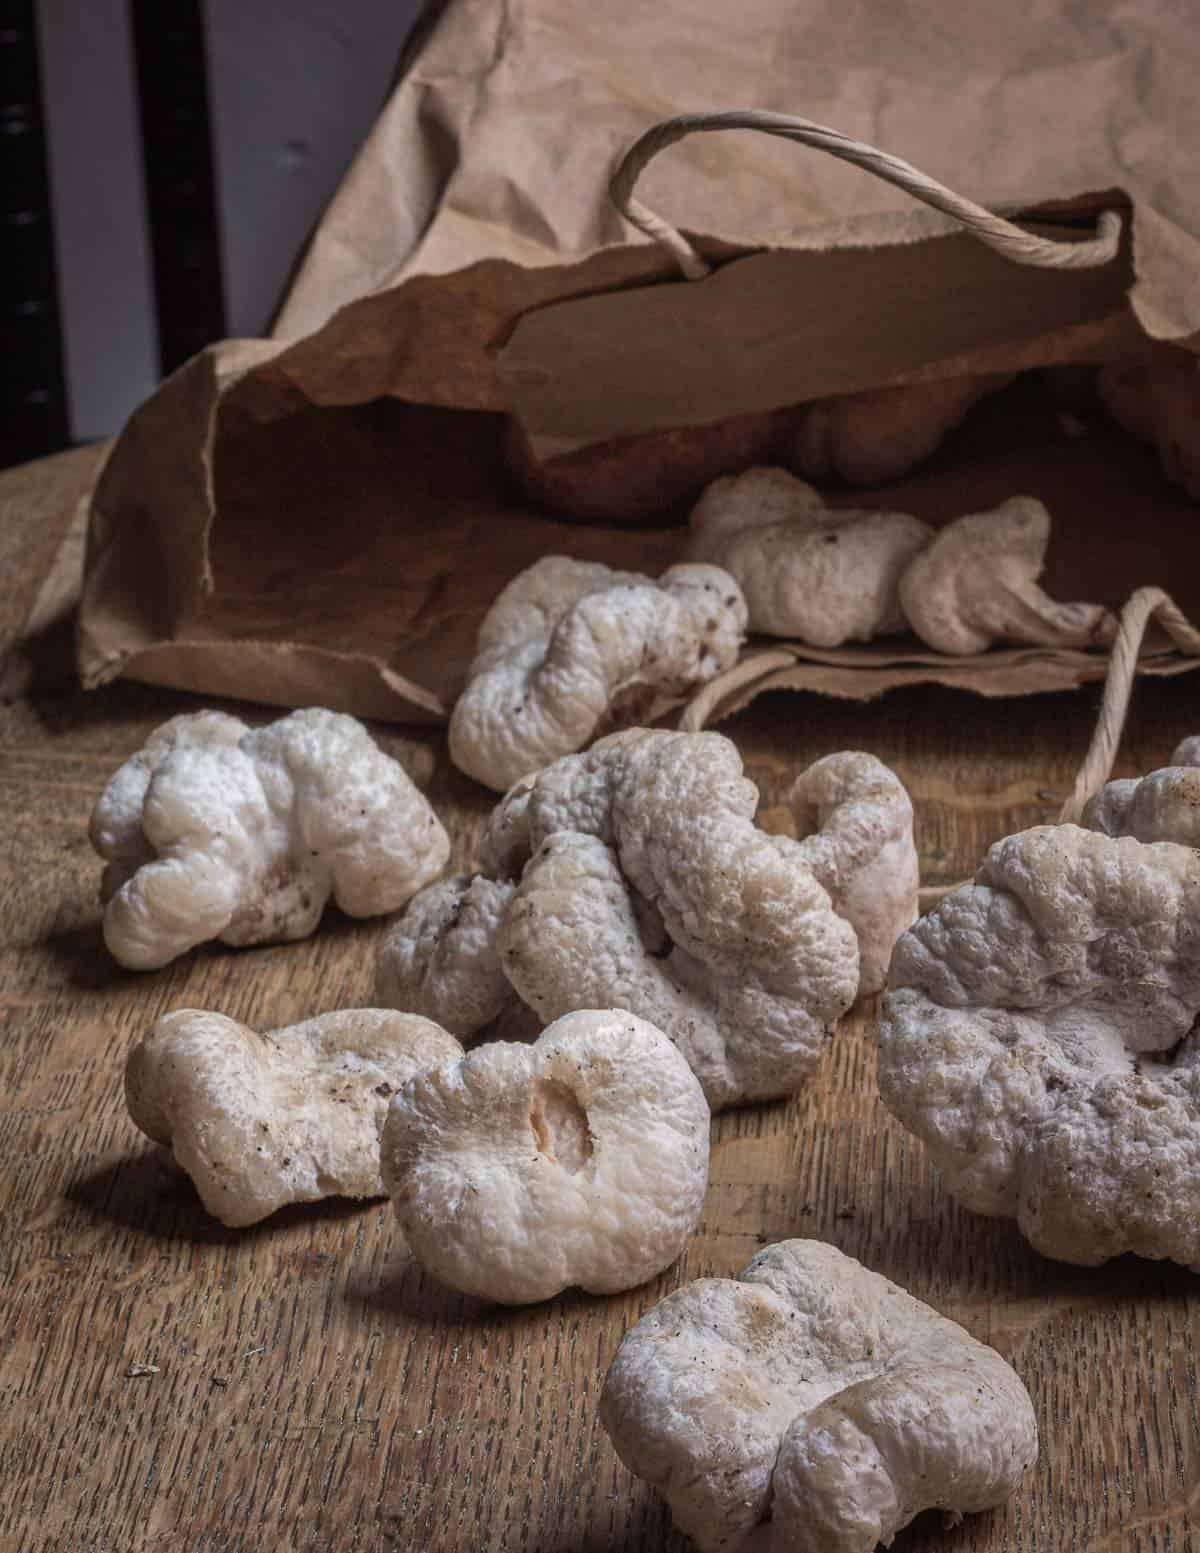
x: 161, y: 163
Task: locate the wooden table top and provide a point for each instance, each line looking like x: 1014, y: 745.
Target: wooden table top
x: 168, y: 1383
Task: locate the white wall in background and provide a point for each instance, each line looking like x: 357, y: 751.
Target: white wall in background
x: 106, y: 301
x: 295, y: 86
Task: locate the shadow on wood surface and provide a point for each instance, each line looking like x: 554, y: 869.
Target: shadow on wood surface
x: 148, y: 1193
x: 80, y: 956
x: 406, y: 1291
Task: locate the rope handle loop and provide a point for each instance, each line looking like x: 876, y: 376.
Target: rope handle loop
x: 1143, y: 606
x: 1012, y: 241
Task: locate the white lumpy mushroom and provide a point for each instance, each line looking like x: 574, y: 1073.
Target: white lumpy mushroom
x: 1039, y: 1033
x: 1164, y: 806
x: 650, y: 887
x: 441, y: 960
x: 879, y: 435
x: 811, y: 1406
x: 634, y: 876
x: 215, y: 831
x: 808, y: 572
x: 976, y: 585
x: 571, y: 649
x: 858, y: 823
x: 580, y: 1160
x: 294, y: 1115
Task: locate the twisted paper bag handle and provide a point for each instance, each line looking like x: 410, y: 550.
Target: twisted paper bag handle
x: 1012, y: 241
x: 1142, y: 607
x: 1006, y: 238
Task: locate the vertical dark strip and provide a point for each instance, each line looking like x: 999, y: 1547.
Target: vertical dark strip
x: 172, y: 84
x: 33, y: 401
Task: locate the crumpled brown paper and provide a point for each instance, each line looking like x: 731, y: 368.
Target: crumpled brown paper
x: 325, y: 515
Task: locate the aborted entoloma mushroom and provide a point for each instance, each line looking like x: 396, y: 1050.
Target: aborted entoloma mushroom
x: 212, y: 831
x: 1039, y: 1032
x: 976, y: 584
x: 571, y: 649
x: 579, y: 1160
x: 294, y: 1115
x: 811, y: 1406
x: 634, y: 478
x: 1158, y: 401
x: 820, y: 576
x: 633, y: 876
x: 881, y: 434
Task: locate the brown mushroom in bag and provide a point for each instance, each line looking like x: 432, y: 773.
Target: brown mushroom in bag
x: 876, y: 436
x: 1158, y: 401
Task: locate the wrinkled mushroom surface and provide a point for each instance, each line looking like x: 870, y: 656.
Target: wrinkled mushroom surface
x: 811, y: 1406
x: 633, y: 876
x: 441, y: 960
x: 1164, y: 806
x: 857, y: 822
x: 214, y: 831
x: 1038, y: 1033
x: 976, y: 584
x: 807, y: 572
x: 650, y: 887
x: 881, y: 434
x: 581, y: 1159
x: 636, y: 478
x: 293, y: 1115
x: 571, y: 648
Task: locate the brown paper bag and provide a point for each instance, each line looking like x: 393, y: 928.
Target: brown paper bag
x: 324, y: 516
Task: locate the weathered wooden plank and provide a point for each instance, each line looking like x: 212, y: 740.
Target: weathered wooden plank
x: 306, y: 1387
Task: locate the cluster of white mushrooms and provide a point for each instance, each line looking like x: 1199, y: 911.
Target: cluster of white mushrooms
x: 827, y: 576
x: 572, y: 650
x: 633, y: 952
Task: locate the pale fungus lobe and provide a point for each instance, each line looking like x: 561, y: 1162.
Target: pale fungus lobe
x: 976, y: 585
x: 633, y: 876
x: 441, y: 960
x: 579, y: 1160
x: 294, y: 1115
x: 215, y: 831
x: 857, y: 820
x: 571, y: 649
x: 811, y: 1406
x: 651, y: 888
x: 1163, y: 806
x: 807, y: 572
x: 1039, y: 1031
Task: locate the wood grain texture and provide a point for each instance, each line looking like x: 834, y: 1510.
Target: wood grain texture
x: 169, y: 1384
